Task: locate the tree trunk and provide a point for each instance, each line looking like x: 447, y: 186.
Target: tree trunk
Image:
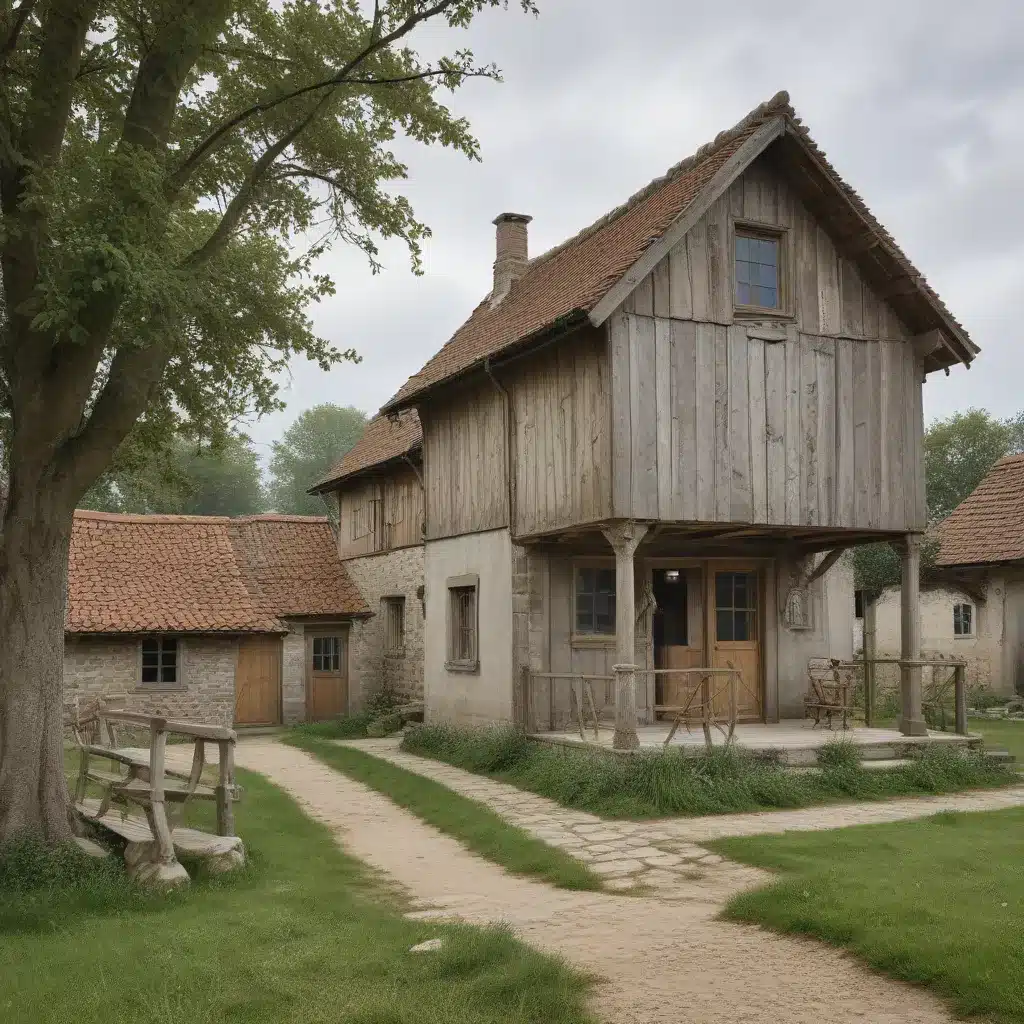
x: 34, y: 546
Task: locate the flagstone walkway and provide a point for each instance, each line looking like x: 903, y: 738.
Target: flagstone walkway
x: 657, y: 961
x: 664, y: 854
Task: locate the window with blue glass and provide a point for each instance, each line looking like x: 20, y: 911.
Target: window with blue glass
x: 757, y: 271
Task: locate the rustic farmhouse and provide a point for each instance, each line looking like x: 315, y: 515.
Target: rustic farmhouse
x: 376, y: 490
x: 648, y: 448
x: 232, y: 621
x: 972, y: 606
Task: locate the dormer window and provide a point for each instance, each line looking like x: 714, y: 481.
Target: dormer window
x: 758, y: 270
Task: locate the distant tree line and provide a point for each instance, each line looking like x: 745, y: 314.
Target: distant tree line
x: 225, y: 478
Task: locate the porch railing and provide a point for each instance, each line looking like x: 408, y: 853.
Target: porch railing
x: 933, y: 700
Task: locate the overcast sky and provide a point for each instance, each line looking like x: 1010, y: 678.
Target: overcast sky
x: 919, y: 104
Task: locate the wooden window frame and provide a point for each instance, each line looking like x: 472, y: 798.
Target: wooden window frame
x: 326, y: 635
x: 455, y: 586
x: 393, y: 622
x: 179, y: 663
x: 589, y: 639
x: 755, y: 229
x: 971, y: 616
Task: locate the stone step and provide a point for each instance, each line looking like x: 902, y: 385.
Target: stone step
x: 878, y: 764
x: 997, y: 754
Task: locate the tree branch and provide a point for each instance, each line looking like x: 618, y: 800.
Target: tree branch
x: 21, y: 13
x: 219, y: 135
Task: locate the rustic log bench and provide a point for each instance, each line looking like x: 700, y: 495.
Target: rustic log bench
x: 144, y: 780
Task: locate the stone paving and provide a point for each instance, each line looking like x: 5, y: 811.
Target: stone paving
x: 666, y: 853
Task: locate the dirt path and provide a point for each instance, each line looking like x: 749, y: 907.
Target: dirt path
x: 663, y: 961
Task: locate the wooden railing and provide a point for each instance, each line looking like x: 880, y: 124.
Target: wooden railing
x: 935, y: 699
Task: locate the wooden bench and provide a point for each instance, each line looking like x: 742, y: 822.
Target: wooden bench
x: 143, y: 779
x: 829, y: 694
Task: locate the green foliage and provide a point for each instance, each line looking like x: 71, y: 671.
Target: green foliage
x: 960, y: 450
x: 183, y: 479
x: 935, y: 902
x: 307, y: 935
x: 660, y: 782
x: 347, y: 727
x: 308, y: 449
x: 384, y: 725
x: 473, y: 824
x: 879, y: 566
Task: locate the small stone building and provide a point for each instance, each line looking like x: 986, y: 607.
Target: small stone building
x: 231, y: 621
x: 972, y: 604
x: 376, y: 491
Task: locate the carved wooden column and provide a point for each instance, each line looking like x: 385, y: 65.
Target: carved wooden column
x: 624, y: 538
x: 911, y: 717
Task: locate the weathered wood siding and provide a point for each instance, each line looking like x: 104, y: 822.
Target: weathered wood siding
x: 464, y: 467
x: 816, y: 422
x: 380, y: 514
x: 562, y: 450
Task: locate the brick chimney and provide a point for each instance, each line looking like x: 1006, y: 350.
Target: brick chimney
x: 511, y: 252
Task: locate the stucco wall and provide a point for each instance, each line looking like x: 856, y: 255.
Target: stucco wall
x: 990, y: 653
x: 206, y: 692
x: 388, y: 574
x: 483, y: 696
x: 830, y: 634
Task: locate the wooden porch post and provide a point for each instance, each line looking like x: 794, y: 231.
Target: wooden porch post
x: 624, y: 538
x: 911, y: 717
x: 868, y: 643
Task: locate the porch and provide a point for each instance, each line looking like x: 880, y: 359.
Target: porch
x: 647, y: 614
x: 791, y: 741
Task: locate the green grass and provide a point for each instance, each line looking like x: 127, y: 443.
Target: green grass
x: 1001, y: 735
x: 938, y: 902
x: 659, y: 782
x: 469, y: 821
x: 305, y: 934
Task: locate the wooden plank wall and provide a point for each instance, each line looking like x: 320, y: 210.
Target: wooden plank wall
x: 402, y: 495
x: 562, y: 449
x: 821, y: 426
x: 464, y: 470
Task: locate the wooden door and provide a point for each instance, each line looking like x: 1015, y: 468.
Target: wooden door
x: 678, y: 631
x: 326, y: 673
x: 734, y: 628
x: 258, y: 681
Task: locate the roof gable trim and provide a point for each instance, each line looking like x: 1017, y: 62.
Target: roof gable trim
x: 657, y: 250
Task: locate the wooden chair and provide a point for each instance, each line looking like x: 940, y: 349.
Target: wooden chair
x: 829, y: 694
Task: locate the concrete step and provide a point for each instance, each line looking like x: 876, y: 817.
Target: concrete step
x: 875, y: 765
x: 1002, y: 756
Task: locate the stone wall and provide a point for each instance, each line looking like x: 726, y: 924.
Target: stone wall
x: 293, y: 675
x: 111, y: 665
x: 388, y: 574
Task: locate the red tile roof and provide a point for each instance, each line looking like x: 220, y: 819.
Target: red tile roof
x: 988, y: 525
x: 569, y: 280
x: 202, y: 574
x: 384, y: 438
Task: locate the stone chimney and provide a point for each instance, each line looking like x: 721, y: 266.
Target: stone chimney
x: 511, y: 253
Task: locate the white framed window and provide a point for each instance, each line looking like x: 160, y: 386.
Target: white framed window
x: 393, y: 612
x: 160, y: 661
x: 463, y: 622
x: 963, y: 620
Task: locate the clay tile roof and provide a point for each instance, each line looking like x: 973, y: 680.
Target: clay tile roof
x: 135, y: 574
x: 988, y: 525
x: 383, y: 439
x: 564, y: 284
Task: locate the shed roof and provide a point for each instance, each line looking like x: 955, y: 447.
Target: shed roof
x: 566, y: 284
x: 203, y: 574
x: 988, y: 525
x: 385, y: 438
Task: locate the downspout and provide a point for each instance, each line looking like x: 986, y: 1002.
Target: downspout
x: 509, y: 436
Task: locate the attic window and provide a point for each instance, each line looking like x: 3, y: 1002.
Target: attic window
x: 758, y: 270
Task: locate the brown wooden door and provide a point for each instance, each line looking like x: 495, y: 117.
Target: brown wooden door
x: 678, y: 632
x: 326, y: 673
x: 258, y: 681
x: 734, y: 628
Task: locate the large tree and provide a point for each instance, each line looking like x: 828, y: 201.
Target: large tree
x: 308, y: 449
x: 160, y: 162
x: 183, y: 478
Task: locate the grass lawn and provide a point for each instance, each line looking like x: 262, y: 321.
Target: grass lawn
x: 472, y: 823
x: 659, y: 783
x: 939, y: 901
x: 1004, y: 735
x: 303, y: 934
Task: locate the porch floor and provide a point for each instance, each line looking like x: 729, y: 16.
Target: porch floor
x: 793, y: 741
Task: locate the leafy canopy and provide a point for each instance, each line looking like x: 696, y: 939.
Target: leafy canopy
x: 169, y: 172
x: 308, y: 449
